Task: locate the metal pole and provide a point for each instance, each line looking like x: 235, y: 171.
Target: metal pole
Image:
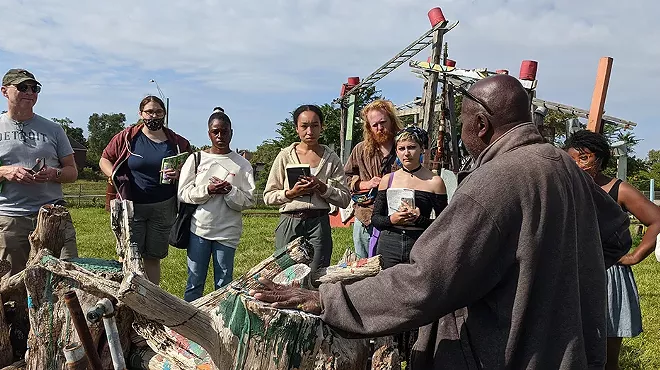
x: 104, y: 308
x: 79, y: 322
x: 167, y: 111
x: 652, y: 190
x: 75, y: 357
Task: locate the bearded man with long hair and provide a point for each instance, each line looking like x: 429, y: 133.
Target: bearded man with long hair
x: 369, y: 161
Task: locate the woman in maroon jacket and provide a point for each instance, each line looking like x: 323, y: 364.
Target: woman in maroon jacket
x: 132, y: 161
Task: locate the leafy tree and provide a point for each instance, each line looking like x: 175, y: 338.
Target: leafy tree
x: 265, y: 154
x: 101, y: 128
x: 76, y: 133
x: 331, y: 130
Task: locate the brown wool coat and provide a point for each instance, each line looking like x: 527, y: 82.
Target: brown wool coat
x: 510, y: 275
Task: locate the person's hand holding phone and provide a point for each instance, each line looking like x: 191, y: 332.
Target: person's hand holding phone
x: 217, y: 186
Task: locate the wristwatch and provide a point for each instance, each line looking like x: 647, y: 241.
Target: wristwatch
x: 58, y: 174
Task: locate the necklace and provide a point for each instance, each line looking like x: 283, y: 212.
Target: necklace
x: 411, y: 172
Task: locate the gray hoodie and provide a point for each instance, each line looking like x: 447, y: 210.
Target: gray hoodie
x: 510, y: 275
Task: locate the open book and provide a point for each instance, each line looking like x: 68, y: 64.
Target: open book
x: 399, y: 198
x: 175, y: 162
x: 219, y: 171
x: 295, y: 171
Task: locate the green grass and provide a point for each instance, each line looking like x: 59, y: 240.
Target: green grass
x: 96, y: 240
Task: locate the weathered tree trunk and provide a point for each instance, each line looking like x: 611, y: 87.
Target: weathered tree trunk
x: 51, y: 328
x: 121, y: 217
x: 239, y: 332
x: 50, y: 231
x: 18, y: 365
x: 6, y: 349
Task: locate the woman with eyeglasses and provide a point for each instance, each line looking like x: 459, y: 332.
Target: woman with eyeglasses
x: 132, y: 161
x: 591, y: 152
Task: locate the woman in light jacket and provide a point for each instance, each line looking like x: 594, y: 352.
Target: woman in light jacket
x: 222, y: 187
x: 304, y: 207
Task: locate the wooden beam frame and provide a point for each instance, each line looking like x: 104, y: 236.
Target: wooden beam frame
x: 595, y: 122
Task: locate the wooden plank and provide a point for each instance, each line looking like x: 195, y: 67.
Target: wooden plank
x: 595, y: 122
x: 350, y: 120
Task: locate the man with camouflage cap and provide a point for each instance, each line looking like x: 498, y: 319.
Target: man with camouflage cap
x: 36, y: 159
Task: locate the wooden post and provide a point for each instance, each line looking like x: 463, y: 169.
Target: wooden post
x: 431, y: 90
x: 453, y: 124
x: 595, y: 122
x: 350, y: 120
x: 342, y: 132
x: 121, y: 218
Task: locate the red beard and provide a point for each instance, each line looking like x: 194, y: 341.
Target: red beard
x: 382, y: 137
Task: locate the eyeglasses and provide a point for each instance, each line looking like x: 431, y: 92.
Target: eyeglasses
x: 154, y: 113
x: 470, y: 96
x: 24, y: 88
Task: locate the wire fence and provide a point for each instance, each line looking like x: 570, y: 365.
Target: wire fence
x: 91, y: 194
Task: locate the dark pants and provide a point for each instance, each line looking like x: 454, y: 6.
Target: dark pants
x: 316, y: 230
x: 394, y: 246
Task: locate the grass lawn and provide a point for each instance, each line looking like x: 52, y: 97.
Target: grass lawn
x: 96, y: 240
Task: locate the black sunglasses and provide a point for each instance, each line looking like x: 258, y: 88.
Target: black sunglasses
x: 24, y: 88
x: 470, y: 96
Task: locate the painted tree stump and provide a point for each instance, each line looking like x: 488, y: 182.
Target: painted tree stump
x: 239, y: 332
x: 51, y: 328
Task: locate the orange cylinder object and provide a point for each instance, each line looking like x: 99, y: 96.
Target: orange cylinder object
x: 352, y: 81
x: 528, y: 70
x: 450, y: 63
x: 436, y: 16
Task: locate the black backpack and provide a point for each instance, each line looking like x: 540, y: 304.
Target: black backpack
x: 180, y: 232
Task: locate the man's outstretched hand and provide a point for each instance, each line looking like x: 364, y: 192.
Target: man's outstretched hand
x: 283, y: 296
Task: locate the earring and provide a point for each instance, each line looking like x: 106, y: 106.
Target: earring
x: 421, y: 158
x: 398, y: 162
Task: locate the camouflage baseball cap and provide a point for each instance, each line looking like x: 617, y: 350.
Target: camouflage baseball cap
x: 15, y: 76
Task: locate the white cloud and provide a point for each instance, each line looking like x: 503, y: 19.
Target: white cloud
x: 263, y: 58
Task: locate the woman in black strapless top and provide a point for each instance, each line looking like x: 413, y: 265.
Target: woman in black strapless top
x: 400, y: 229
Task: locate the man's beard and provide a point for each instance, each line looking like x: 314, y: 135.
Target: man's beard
x: 382, y: 137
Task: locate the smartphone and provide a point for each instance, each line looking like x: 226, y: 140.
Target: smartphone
x: 41, y: 162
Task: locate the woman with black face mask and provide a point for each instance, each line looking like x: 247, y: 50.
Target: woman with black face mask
x: 133, y: 163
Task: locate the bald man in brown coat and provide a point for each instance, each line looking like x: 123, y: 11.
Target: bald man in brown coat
x: 511, y: 274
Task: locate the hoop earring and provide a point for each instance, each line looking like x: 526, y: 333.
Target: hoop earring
x: 398, y: 162
x: 421, y: 158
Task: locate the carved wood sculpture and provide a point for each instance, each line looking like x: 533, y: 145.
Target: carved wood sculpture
x: 225, y: 329
x: 238, y: 332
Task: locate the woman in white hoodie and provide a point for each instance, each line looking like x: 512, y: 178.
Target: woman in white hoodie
x: 222, y: 186
x: 304, y: 207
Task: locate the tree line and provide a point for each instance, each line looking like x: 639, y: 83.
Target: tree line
x: 101, y: 127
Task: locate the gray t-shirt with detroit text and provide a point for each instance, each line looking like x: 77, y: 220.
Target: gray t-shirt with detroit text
x: 20, y: 145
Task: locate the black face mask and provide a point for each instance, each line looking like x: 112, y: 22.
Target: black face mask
x: 154, y: 124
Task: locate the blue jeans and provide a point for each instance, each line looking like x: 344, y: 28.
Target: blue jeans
x: 200, y: 251
x: 361, y: 236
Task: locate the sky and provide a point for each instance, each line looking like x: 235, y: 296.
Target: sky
x: 259, y: 60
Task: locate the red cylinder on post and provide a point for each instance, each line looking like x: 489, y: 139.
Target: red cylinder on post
x: 352, y: 81
x: 528, y: 70
x: 450, y: 63
x: 502, y: 71
x: 436, y: 16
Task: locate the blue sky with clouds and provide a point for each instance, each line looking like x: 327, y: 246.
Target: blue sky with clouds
x: 261, y: 59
